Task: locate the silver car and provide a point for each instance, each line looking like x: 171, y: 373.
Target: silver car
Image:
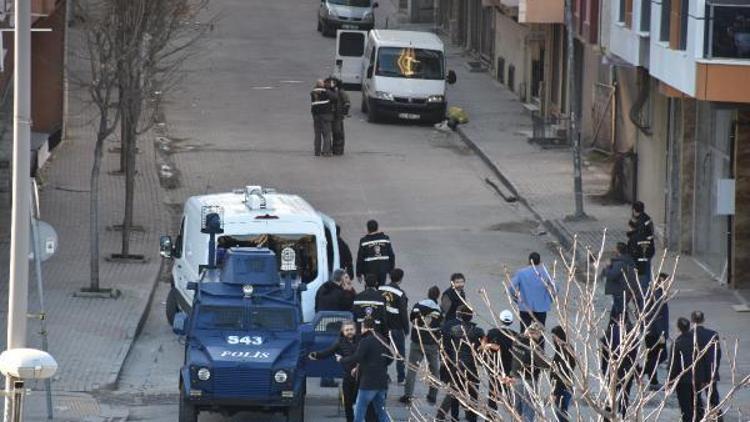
x: 345, y: 14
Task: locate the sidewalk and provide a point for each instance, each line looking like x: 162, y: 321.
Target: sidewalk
x: 89, y: 337
x: 543, y: 181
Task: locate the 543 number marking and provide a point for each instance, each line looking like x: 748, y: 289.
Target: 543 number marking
x: 247, y: 340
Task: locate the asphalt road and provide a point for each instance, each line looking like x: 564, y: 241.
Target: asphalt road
x: 242, y: 118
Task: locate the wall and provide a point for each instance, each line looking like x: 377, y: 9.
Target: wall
x: 47, y: 73
x: 510, y: 44
x: 742, y: 201
x: 590, y: 77
x: 677, y: 68
x: 652, y: 162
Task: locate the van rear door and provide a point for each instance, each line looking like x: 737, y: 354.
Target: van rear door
x: 332, y: 243
x: 350, y: 51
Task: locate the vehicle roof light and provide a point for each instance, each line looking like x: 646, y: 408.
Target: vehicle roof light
x: 247, y: 290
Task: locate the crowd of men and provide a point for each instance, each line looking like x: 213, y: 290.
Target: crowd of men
x: 441, y: 333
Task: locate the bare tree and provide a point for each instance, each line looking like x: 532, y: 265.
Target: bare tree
x: 608, y: 380
x: 137, y: 50
x: 155, y: 39
x: 99, y: 80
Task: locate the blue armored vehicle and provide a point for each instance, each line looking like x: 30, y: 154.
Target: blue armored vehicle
x: 245, y: 340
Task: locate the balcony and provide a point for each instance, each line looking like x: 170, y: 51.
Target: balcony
x: 727, y: 29
x: 541, y: 11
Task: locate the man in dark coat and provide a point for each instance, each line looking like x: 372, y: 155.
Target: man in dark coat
x: 372, y: 360
x: 331, y: 295
x: 688, y: 380
x: 709, y: 340
x: 397, y: 317
x: 499, y: 345
x: 620, y: 280
x: 426, y: 319
x: 466, y: 339
x: 641, y: 241
x: 657, y: 332
x: 612, y: 351
x: 370, y: 303
x: 344, y: 347
x: 454, y: 296
x: 345, y: 254
x: 321, y: 107
x: 375, y: 255
x: 340, y: 111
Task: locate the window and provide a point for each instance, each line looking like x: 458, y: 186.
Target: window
x: 666, y: 9
x: 237, y: 318
x: 178, y: 242
x: 351, y: 44
x: 684, y: 15
x: 626, y: 12
x: 645, y: 15
x: 305, y: 245
x: 412, y: 63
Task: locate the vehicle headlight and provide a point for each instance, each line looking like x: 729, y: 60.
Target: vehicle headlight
x: 280, y: 376
x: 382, y: 95
x: 368, y: 16
x: 436, y: 99
x: 204, y: 374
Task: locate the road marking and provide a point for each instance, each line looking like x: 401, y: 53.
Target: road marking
x: 262, y: 87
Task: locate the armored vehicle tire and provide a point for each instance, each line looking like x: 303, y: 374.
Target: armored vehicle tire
x: 172, y: 307
x: 297, y: 413
x: 188, y: 412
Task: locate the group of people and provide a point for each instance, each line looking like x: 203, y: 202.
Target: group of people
x: 693, y: 364
x: 442, y: 334
x: 329, y: 104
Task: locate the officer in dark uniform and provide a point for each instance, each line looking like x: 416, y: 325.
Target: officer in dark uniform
x: 321, y: 107
x: 370, y: 303
x: 375, y: 255
x: 641, y: 242
x: 397, y: 317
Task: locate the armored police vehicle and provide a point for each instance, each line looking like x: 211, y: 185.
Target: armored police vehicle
x: 252, y: 217
x: 245, y: 340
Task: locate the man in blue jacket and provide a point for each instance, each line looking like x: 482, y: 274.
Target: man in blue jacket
x: 533, y: 290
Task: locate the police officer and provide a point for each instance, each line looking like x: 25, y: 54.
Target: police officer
x: 321, y: 106
x: 641, y: 242
x: 375, y: 255
x: 397, y: 317
x: 370, y: 303
x: 340, y: 111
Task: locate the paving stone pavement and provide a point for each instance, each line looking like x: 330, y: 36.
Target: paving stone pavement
x: 90, y: 337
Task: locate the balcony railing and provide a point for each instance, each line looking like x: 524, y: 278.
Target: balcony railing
x: 728, y: 29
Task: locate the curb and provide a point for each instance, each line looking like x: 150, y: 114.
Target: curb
x: 133, y: 334
x: 555, y: 227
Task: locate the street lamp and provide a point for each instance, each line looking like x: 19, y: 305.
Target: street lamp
x: 18, y: 365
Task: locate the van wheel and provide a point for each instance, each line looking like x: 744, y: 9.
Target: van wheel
x: 363, y: 105
x: 188, y: 412
x: 172, y: 307
x: 372, y: 114
x: 320, y: 27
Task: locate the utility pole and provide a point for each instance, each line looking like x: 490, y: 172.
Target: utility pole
x: 574, y: 138
x: 21, y: 209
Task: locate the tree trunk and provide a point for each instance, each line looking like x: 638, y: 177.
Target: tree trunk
x: 130, y: 116
x: 94, y: 205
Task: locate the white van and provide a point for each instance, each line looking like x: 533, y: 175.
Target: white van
x: 253, y: 217
x: 402, y: 73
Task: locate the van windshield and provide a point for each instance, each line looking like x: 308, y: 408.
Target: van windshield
x: 305, y: 245
x: 352, y: 3
x: 238, y: 318
x: 413, y: 63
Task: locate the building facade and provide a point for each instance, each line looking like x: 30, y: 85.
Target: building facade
x: 684, y: 67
